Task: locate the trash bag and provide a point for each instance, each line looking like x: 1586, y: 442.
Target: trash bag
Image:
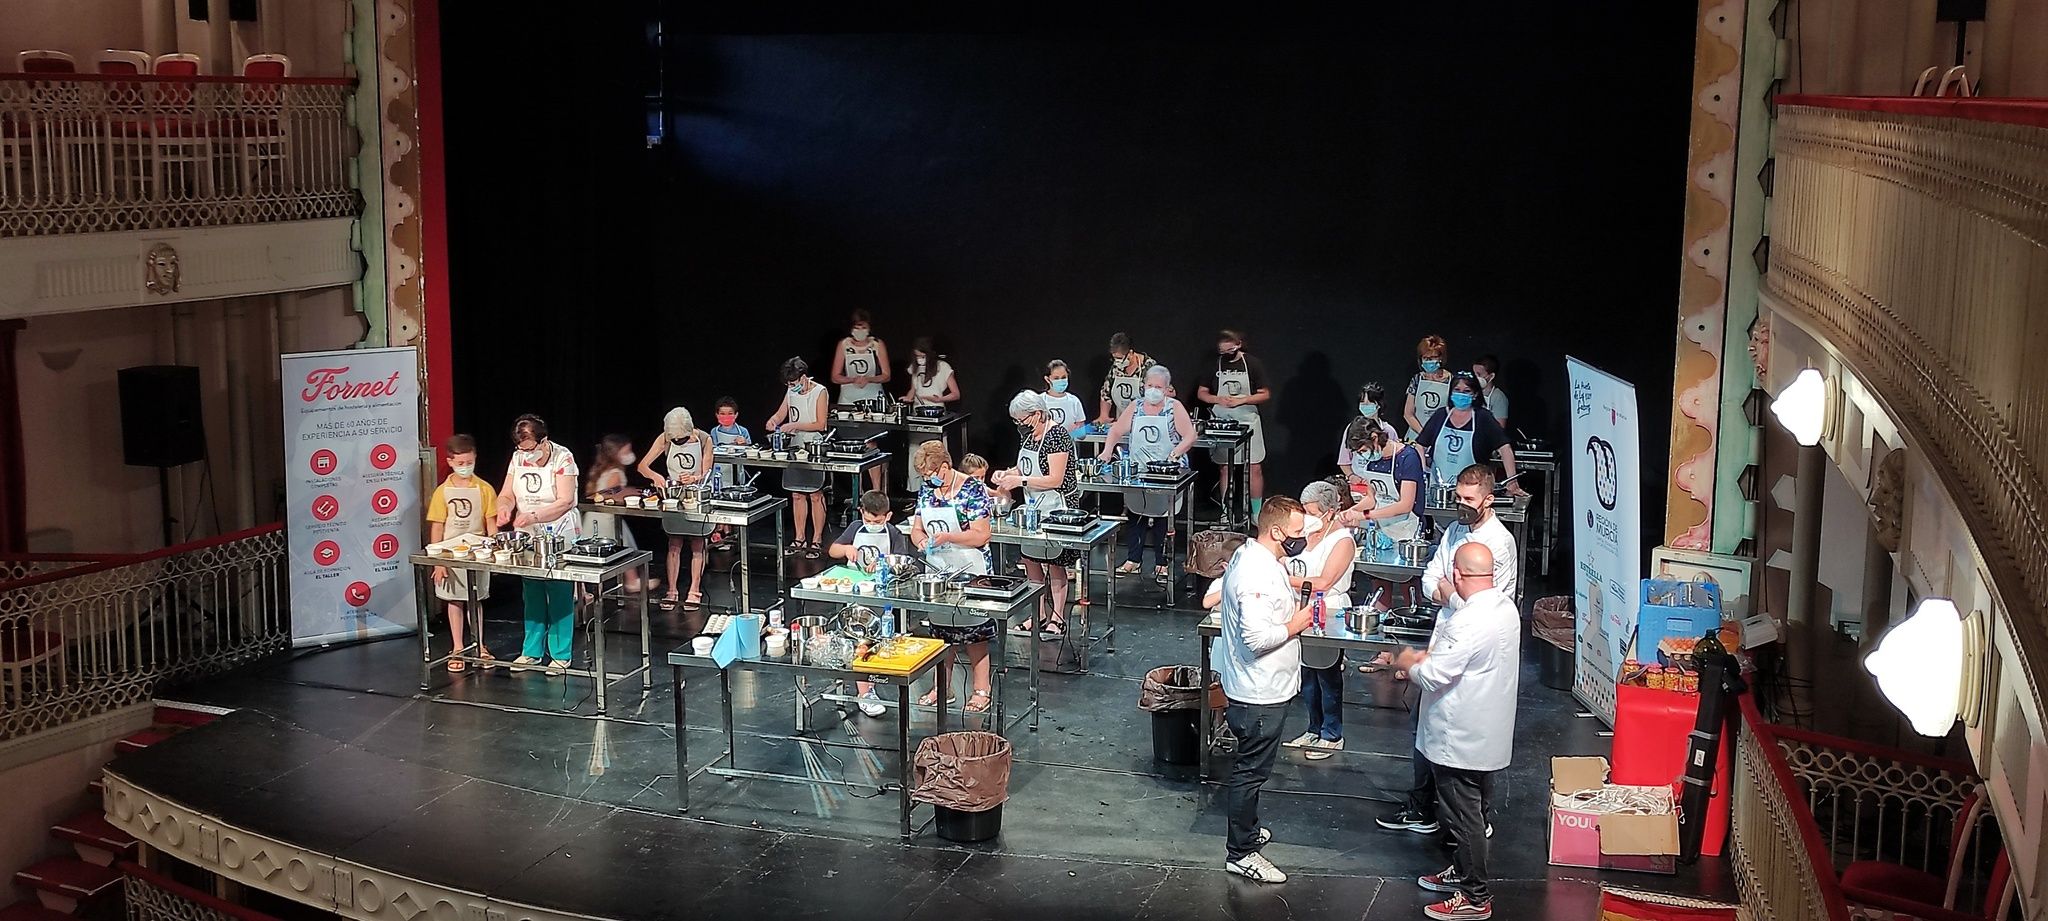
x: 963, y: 771
x: 1209, y: 551
x: 1553, y: 623
x: 1174, y: 687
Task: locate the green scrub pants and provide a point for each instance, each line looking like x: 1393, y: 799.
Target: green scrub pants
x: 550, y: 619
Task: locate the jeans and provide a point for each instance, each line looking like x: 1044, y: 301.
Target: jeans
x: 1257, y: 728
x: 1323, y: 690
x: 550, y: 619
x: 1422, y: 796
x: 1461, y: 798
x: 1143, y: 531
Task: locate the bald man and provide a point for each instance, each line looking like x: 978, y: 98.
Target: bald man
x: 1469, y: 677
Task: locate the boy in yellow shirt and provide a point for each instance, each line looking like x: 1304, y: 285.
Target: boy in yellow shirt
x: 462, y: 506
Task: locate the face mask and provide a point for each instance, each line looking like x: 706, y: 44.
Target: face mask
x: 1227, y: 349
x: 1059, y: 385
x: 873, y: 528
x: 1431, y: 366
x: 1468, y: 516
x: 1368, y: 410
x: 728, y: 418
x: 1024, y: 428
x: 628, y: 458
x: 1461, y: 400
x: 860, y: 334
x: 935, y: 481
x: 1292, y: 546
x: 533, y: 454
x: 920, y: 365
x: 1311, y: 524
x: 464, y: 470
x: 1155, y: 395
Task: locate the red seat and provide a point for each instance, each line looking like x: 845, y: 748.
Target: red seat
x: 1925, y: 895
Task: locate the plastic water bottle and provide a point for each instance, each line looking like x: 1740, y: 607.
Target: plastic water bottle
x: 1372, y: 536
x: 1318, y: 608
x: 882, y: 575
x: 717, y: 478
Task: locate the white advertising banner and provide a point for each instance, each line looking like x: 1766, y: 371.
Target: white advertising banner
x: 352, y: 496
x: 1607, y: 528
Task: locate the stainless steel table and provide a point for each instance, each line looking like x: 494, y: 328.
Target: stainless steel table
x: 699, y: 521
x: 1002, y: 533
x: 1238, y: 445
x: 1544, y: 462
x: 1331, y: 635
x: 851, y: 468
x: 1182, y: 486
x: 961, y: 613
x: 1387, y: 564
x: 942, y: 664
x: 591, y: 607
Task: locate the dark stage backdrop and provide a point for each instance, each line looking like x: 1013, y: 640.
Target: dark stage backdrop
x: 1511, y: 181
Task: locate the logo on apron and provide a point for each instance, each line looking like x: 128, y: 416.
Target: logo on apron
x: 1297, y: 567
x: 1430, y: 399
x: 687, y: 460
x: 1126, y: 390
x: 937, y: 526
x: 869, y: 556
x: 1454, y: 442
x: 460, y: 508
x: 859, y: 362
x: 529, y: 483
x: 1152, y: 434
x: 1056, y: 414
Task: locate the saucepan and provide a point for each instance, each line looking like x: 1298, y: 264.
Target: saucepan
x: 1362, y: 619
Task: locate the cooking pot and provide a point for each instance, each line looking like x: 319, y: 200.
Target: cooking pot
x: 935, y: 587
x: 1413, y: 552
x: 1362, y: 620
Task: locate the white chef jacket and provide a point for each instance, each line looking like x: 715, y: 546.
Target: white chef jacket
x: 1256, y: 660
x: 1496, y: 538
x: 1469, y: 683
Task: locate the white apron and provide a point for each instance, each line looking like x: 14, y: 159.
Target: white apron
x: 868, y: 549
x: 862, y: 360
x: 805, y: 407
x: 1151, y: 439
x: 1335, y: 598
x: 685, y: 458
x: 465, y: 519
x: 927, y: 394
x: 1452, y: 452
x: 942, y: 519
x: 1124, y: 389
x: 1430, y: 396
x: 1031, y: 462
x: 1386, y: 490
x: 534, y: 487
x: 1235, y: 384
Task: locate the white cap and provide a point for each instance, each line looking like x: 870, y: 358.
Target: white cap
x: 1025, y: 403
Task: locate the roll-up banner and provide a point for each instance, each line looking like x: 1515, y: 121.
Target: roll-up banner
x: 1607, y: 525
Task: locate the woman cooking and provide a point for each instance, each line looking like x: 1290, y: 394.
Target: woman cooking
x: 800, y: 419
x: 1371, y: 397
x: 1386, y: 476
x: 1155, y: 428
x: 1045, y: 471
x: 932, y: 382
x: 541, y: 479
x: 860, y: 366
x: 1324, y: 565
x: 1125, y: 381
x: 951, y: 526
x: 1430, y: 389
x: 1062, y: 408
x: 686, y: 452
x: 1464, y: 433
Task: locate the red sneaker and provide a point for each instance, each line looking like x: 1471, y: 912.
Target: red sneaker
x: 1445, y: 880
x: 1460, y: 908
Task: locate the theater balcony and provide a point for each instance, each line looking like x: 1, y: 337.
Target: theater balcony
x: 128, y: 188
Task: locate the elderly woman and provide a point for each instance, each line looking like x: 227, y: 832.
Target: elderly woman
x: 685, y: 450
x: 541, y: 479
x: 951, y: 527
x: 1045, y: 472
x: 1323, y: 566
x: 1155, y: 427
x: 1465, y: 433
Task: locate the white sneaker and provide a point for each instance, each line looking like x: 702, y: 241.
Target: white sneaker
x: 523, y: 663
x: 1304, y: 740
x: 1263, y: 838
x: 871, y: 704
x: 1257, y: 868
x: 557, y: 668
x: 1322, y: 748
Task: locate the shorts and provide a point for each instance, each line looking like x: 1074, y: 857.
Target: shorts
x: 1255, y: 449
x: 960, y: 636
x: 1049, y: 554
x: 456, y: 586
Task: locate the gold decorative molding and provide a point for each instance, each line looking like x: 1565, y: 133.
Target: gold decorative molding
x: 398, y: 107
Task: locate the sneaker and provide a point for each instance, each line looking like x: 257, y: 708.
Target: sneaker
x: 1444, y: 880
x: 1489, y: 829
x: 871, y: 704
x: 1460, y: 908
x: 523, y: 663
x: 1322, y: 749
x: 1408, y: 821
x: 1304, y: 740
x: 1257, y: 868
x: 557, y: 668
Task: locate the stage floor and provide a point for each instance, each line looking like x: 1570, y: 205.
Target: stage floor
x: 510, y: 786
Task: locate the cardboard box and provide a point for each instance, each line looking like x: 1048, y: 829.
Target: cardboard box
x: 1644, y: 843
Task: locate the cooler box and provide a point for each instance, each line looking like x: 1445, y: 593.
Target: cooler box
x: 1672, y: 616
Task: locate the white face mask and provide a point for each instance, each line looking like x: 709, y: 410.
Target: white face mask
x: 873, y: 528
x: 465, y: 470
x: 860, y: 334
x: 920, y: 365
x: 1155, y: 395
x: 627, y: 459
x: 1311, y: 524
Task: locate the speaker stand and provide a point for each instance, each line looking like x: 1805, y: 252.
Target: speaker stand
x: 163, y: 495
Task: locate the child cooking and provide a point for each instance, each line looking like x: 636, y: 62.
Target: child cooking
x: 462, y: 506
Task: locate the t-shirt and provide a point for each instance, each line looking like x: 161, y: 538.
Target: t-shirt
x: 899, y: 542
x: 1487, y: 434
x: 737, y: 434
x: 1497, y: 403
x: 437, y: 505
x: 1405, y: 465
x: 1065, y: 410
x: 1238, y: 362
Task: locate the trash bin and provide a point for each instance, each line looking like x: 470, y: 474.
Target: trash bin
x: 965, y: 777
x: 1552, y: 625
x: 1554, y: 665
x: 1174, y: 695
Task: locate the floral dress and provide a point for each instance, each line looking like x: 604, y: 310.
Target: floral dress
x: 971, y: 501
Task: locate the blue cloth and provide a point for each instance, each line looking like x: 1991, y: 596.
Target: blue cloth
x: 1323, y: 690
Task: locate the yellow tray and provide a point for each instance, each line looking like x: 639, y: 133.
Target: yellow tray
x: 913, y: 654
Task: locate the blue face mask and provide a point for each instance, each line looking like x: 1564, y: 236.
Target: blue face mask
x: 1461, y: 400
x: 935, y: 481
x: 1431, y: 366
x: 1360, y: 462
x: 1059, y: 385
x: 873, y: 528
x: 1368, y: 410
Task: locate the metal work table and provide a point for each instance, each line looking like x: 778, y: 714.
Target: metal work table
x: 851, y: 468
x: 1184, y: 487
x: 699, y: 522
x: 1331, y: 635
x: 1237, y: 445
x: 1387, y: 564
x: 1544, y: 462
x: 963, y: 612
x: 951, y: 428
x: 1002, y: 533
x: 941, y: 663
x: 590, y: 606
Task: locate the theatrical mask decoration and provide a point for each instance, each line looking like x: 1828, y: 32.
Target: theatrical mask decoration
x: 160, y: 266
x: 1888, y: 499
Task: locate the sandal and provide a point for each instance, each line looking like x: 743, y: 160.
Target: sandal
x: 931, y: 697
x: 1022, y: 629
x: 695, y: 601
x: 981, y: 697
x: 1161, y: 575
x: 795, y: 547
x: 457, y: 665
x: 811, y: 550
x: 1054, y: 628
x: 1128, y: 569
x: 667, y: 603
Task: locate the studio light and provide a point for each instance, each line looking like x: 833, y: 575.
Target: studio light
x: 1802, y: 408
x: 1927, y: 666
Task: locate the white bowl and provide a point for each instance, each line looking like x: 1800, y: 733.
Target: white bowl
x: 702, y: 645
x: 670, y: 505
x: 502, y: 556
x: 775, y: 644
x: 437, y: 551
x: 632, y: 501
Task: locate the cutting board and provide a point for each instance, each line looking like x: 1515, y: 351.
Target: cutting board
x: 915, y: 652
x: 847, y: 572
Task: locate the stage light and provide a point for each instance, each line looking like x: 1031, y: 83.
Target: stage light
x: 1802, y: 408
x: 1929, y: 665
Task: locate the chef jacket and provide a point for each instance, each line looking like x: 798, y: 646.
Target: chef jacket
x: 1469, y: 683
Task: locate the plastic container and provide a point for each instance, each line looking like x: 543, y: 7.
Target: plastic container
x: 967, y: 827
x: 1176, y: 737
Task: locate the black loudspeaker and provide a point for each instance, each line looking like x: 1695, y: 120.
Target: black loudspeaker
x: 161, y: 425
x: 1960, y: 10
x: 242, y: 10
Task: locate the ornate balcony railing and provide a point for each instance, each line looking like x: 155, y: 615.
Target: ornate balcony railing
x: 91, y: 153
x: 92, y: 639
x: 1781, y: 862
x: 26, y: 565
x: 150, y: 896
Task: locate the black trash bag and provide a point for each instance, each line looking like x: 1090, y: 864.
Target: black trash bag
x: 962, y: 771
x: 1171, y: 687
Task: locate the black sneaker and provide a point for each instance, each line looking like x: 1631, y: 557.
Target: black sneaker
x: 1408, y: 821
